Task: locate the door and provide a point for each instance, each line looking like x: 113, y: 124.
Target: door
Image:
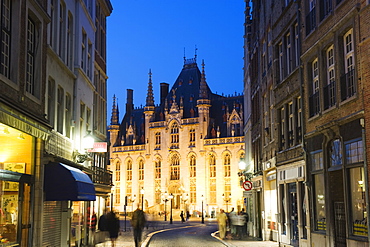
x: 339, y: 224
x: 294, y: 236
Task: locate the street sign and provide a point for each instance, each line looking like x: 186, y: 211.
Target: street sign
x: 247, y: 185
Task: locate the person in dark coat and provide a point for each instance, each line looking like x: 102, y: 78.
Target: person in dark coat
x: 138, y: 221
x: 182, y: 216
x: 112, y: 224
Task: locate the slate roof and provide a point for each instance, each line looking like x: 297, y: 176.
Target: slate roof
x: 186, y: 90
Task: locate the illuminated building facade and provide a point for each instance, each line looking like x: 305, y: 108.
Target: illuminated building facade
x: 185, y: 150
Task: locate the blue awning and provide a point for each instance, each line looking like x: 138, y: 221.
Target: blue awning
x: 66, y: 183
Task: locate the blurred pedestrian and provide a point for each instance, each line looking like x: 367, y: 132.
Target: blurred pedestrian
x: 187, y: 215
x: 182, y: 216
x: 246, y: 219
x: 112, y: 226
x: 232, y: 221
x: 138, y: 221
x: 222, y: 221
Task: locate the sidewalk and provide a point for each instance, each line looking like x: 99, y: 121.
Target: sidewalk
x: 126, y: 239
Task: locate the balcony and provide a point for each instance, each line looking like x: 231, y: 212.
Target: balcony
x: 330, y: 95
x: 101, y: 176
x: 59, y: 145
x: 225, y: 140
x: 311, y: 21
x: 314, y: 104
x: 347, y: 85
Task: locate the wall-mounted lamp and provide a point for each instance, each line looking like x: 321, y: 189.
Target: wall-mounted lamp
x: 87, y: 144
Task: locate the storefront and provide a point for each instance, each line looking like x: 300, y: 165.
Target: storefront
x: 16, y: 167
x: 69, y: 212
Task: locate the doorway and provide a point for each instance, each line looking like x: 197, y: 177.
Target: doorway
x: 294, y: 235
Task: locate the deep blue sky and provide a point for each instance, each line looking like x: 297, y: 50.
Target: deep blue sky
x: 152, y: 34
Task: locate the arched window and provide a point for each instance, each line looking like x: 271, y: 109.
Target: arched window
x: 212, y: 166
x: 227, y: 165
x: 141, y: 169
x: 129, y: 170
x: 158, y: 172
x: 193, y: 168
x: 175, y: 167
x: 192, y: 138
x: 175, y: 135
x: 118, y: 171
x: 336, y: 153
x: 158, y: 140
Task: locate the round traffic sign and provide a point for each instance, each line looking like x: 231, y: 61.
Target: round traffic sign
x: 247, y: 185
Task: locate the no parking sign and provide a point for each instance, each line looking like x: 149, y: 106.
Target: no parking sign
x: 247, y: 185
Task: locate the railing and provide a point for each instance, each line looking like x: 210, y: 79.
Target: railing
x: 314, y: 101
x: 348, y: 87
x: 329, y: 95
x: 157, y: 124
x: 59, y: 145
x: 225, y: 140
x: 101, y: 176
x: 311, y: 21
x: 129, y: 148
x: 190, y: 120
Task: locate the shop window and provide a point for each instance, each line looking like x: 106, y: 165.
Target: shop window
x: 357, y: 201
x: 319, y: 202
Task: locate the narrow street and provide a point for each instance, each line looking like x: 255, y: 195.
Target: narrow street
x: 186, y: 236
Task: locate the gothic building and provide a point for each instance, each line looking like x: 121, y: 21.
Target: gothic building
x: 185, y: 149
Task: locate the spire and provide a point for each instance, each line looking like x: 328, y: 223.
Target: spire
x: 203, y: 85
x: 115, y: 112
x: 149, y: 96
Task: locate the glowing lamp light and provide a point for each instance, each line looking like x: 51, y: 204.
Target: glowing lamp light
x: 88, y: 141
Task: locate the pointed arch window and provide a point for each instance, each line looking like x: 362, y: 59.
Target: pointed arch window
x: 193, y: 168
x: 227, y: 165
x: 141, y: 169
x: 175, y: 135
x: 118, y: 171
x: 175, y: 168
x: 129, y: 170
x: 158, y: 140
x: 212, y: 166
x: 192, y: 138
x: 158, y: 168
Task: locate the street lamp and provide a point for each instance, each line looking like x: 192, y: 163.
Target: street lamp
x: 87, y: 145
x: 227, y: 200
x: 132, y: 202
x: 165, y: 199
x: 171, y: 197
x: 202, y: 197
x: 142, y: 198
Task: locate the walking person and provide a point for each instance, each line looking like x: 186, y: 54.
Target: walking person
x: 232, y: 222
x: 222, y: 221
x: 182, y: 217
x: 112, y: 226
x: 246, y: 219
x: 138, y: 221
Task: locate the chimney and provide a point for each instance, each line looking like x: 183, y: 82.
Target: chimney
x: 164, y: 91
x: 130, y: 101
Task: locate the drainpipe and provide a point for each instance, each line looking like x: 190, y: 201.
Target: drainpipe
x: 303, y: 128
